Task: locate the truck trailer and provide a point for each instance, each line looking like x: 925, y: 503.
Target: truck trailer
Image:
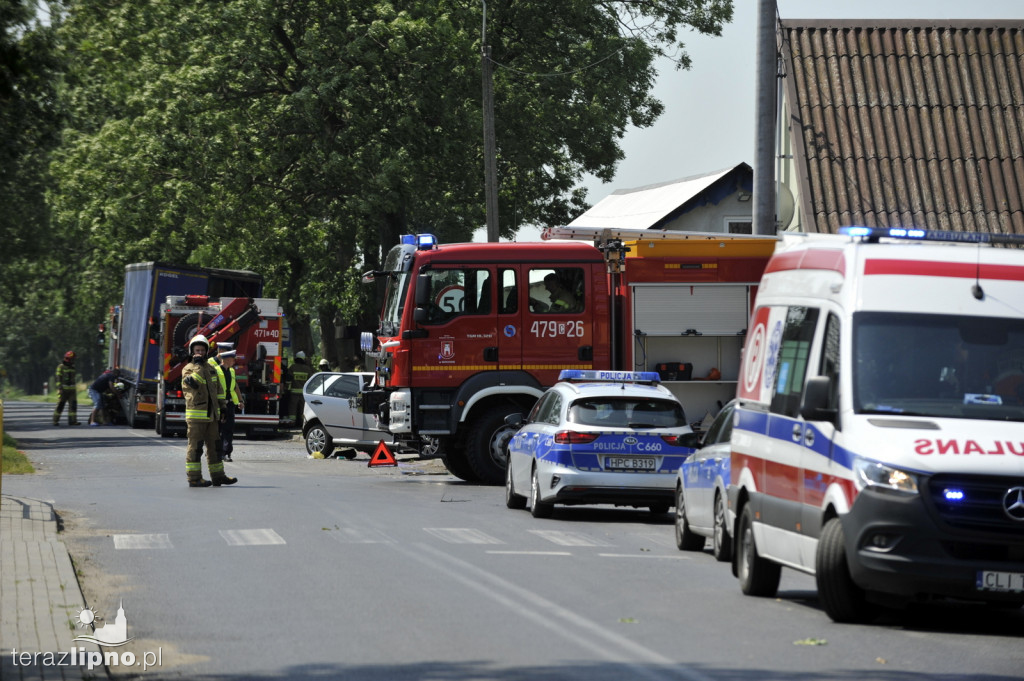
x: 134, y: 349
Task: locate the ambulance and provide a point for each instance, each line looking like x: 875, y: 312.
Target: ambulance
x: 878, y: 438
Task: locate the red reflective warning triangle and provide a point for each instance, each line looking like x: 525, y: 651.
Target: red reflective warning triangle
x: 382, y: 456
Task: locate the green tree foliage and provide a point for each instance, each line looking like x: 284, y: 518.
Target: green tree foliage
x: 300, y: 138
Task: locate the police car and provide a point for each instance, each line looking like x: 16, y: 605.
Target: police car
x: 702, y: 491
x: 598, y: 437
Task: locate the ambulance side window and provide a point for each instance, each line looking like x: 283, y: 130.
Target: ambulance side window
x: 793, y: 356
x: 830, y: 358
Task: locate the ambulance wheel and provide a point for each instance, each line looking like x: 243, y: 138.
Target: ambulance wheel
x: 318, y: 439
x: 512, y: 499
x: 721, y: 541
x: 686, y: 540
x: 842, y: 600
x: 456, y: 463
x: 758, y: 577
x: 486, y: 444
x: 538, y: 508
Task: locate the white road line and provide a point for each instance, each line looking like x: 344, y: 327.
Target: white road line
x: 260, y: 537
x: 530, y: 553
x: 602, y: 643
x: 641, y: 555
x: 142, y: 541
x: 462, y: 535
x: 358, y: 535
x: 563, y: 538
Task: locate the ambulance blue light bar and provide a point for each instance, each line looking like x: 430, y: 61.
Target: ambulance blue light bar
x: 914, y: 234
x: 422, y: 242
x: 616, y: 376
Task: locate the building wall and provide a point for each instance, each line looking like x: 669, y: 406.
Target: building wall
x: 713, y: 218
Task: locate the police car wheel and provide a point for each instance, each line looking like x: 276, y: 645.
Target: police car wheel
x: 758, y: 577
x: 842, y: 600
x: 512, y: 500
x: 538, y: 508
x: 686, y: 540
x: 721, y: 542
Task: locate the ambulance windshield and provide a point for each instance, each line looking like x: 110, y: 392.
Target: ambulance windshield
x: 938, y: 365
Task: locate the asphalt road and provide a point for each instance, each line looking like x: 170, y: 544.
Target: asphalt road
x: 317, y: 569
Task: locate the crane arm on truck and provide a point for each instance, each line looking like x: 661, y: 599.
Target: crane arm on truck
x: 235, y: 317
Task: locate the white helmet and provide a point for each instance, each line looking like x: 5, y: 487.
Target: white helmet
x: 198, y: 340
x: 300, y: 355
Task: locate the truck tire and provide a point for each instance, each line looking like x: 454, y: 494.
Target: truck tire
x: 758, y: 576
x: 486, y: 444
x: 686, y: 539
x: 161, y: 424
x: 456, y: 463
x: 842, y: 600
x: 187, y: 327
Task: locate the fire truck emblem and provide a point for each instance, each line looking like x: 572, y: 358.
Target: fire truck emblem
x: 510, y: 331
x: 447, y: 350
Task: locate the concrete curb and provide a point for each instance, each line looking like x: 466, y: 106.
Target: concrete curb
x: 40, y: 598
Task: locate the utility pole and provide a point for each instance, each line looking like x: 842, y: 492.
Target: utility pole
x: 764, y: 143
x: 490, y: 152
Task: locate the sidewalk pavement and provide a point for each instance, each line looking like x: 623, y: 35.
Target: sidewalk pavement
x: 40, y: 599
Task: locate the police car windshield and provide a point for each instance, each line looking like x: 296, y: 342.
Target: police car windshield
x: 938, y: 365
x: 620, y: 412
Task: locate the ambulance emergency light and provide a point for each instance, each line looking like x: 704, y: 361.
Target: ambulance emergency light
x: 873, y: 234
x: 616, y: 376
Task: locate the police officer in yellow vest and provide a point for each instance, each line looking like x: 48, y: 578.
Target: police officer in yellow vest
x: 202, y: 413
x: 300, y: 373
x: 67, y: 385
x: 233, y: 402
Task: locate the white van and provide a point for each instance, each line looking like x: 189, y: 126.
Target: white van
x: 878, y: 440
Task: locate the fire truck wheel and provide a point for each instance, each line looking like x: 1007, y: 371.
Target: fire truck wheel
x: 486, y: 444
x: 186, y: 327
x: 758, y: 576
x: 318, y: 439
x: 456, y: 463
x: 842, y: 600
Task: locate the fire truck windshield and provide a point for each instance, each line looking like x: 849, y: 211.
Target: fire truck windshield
x: 397, y: 265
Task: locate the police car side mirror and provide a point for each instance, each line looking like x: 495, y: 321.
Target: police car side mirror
x: 691, y: 440
x: 514, y: 420
x: 815, y: 401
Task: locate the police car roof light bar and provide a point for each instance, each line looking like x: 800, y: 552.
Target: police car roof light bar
x: 609, y: 376
x: 873, y: 234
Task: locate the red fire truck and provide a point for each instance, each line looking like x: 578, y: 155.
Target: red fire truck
x: 471, y: 333
x: 253, y: 326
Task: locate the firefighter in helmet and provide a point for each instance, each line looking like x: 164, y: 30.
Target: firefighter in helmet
x: 67, y: 384
x: 202, y: 414
x: 299, y: 375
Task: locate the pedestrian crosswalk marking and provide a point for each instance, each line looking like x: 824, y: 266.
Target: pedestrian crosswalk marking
x: 356, y: 535
x: 462, y: 535
x: 260, y: 537
x: 142, y: 541
x: 563, y: 538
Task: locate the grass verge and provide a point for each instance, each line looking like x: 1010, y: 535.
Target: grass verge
x: 12, y: 461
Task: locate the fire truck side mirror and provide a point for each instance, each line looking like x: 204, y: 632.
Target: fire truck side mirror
x: 423, y: 282
x: 420, y: 315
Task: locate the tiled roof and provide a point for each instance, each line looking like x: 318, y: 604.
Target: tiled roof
x: 907, y: 123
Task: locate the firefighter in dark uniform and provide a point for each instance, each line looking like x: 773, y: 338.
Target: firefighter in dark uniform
x: 300, y: 373
x: 202, y: 414
x: 67, y: 384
